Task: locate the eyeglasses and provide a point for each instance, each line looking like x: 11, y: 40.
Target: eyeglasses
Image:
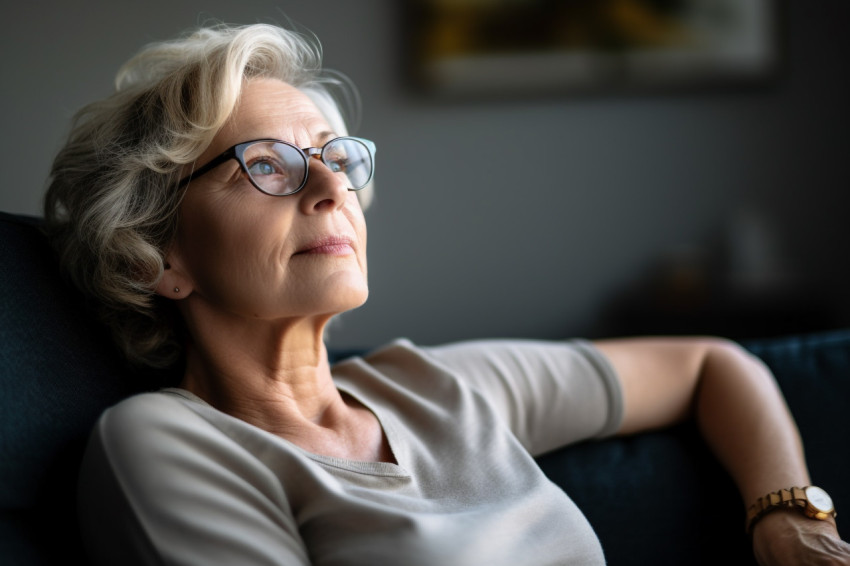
x: 279, y: 168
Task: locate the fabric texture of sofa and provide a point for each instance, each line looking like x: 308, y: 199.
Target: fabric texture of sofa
x: 657, y: 498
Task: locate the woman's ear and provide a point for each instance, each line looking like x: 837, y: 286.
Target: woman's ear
x: 174, y: 284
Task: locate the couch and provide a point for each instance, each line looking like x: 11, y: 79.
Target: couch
x: 656, y: 499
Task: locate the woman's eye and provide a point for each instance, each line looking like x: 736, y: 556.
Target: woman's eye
x: 265, y: 167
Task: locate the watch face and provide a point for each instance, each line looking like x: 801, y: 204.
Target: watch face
x: 819, y: 499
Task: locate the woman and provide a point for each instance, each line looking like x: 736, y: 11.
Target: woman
x: 212, y: 209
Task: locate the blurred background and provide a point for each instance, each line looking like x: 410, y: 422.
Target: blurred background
x: 545, y: 169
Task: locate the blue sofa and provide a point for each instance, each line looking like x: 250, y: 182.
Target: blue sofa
x: 657, y: 498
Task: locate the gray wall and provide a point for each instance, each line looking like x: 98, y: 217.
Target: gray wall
x: 505, y: 218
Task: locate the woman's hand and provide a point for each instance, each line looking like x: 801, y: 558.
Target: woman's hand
x: 787, y: 538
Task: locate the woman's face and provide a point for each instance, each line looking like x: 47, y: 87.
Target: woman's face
x: 248, y: 254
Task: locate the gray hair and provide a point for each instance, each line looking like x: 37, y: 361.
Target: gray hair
x: 111, y: 205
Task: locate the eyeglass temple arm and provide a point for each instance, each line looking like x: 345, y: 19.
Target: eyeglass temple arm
x: 229, y: 154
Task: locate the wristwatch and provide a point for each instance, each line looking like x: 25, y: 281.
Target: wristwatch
x: 812, y: 501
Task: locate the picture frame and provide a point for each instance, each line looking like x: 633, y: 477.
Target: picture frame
x: 463, y: 48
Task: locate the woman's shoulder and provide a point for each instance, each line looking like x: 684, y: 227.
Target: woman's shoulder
x: 146, y: 409
x: 152, y: 423
x: 169, y: 432
x: 400, y: 363
x: 155, y: 461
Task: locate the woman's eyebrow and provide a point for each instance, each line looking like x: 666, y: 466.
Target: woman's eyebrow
x: 327, y: 135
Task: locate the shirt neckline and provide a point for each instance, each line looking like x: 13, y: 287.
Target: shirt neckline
x: 384, y: 469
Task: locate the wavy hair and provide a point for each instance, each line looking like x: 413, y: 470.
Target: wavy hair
x: 111, y: 204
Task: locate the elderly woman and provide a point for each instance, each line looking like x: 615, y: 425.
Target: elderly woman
x: 210, y: 210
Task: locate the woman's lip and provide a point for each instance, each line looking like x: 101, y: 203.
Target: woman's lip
x: 331, y: 245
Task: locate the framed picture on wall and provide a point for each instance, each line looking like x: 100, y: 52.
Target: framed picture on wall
x: 515, y: 47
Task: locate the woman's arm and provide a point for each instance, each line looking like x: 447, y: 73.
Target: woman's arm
x: 744, y: 419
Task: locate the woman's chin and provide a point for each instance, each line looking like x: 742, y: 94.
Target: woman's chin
x: 356, y: 299
x: 345, y: 298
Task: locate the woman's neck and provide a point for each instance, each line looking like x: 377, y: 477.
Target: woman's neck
x: 276, y: 376
x: 250, y: 367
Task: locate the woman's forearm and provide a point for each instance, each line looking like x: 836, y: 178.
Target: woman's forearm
x: 745, y: 420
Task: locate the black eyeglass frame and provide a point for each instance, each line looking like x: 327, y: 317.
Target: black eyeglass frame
x: 237, y: 152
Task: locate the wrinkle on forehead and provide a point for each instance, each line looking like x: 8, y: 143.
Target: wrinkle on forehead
x: 270, y: 108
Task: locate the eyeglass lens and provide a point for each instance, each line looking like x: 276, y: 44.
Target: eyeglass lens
x: 279, y: 168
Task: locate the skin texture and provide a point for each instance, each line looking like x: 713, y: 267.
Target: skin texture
x: 259, y: 280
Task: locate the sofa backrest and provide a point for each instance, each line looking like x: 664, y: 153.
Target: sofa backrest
x: 58, y: 371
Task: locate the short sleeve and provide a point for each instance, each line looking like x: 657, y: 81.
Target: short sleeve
x: 550, y: 393
x: 160, y: 485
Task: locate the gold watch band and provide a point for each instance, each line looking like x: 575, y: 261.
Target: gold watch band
x: 791, y: 498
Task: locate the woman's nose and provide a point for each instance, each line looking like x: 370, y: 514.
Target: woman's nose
x: 324, y: 190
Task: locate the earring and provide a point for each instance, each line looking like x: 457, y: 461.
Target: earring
x: 177, y: 289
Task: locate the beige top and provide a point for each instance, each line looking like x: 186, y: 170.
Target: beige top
x: 168, y: 479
